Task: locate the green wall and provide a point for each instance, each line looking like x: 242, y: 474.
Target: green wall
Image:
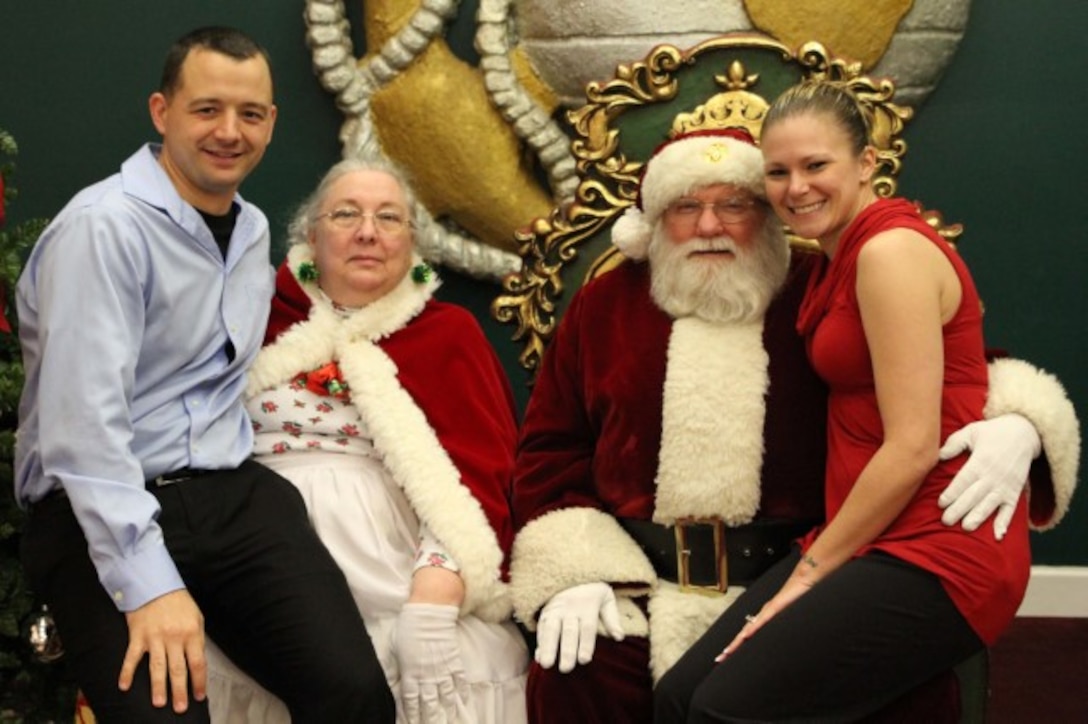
x: 996, y: 147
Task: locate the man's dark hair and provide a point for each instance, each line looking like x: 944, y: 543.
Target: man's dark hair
x: 228, y: 41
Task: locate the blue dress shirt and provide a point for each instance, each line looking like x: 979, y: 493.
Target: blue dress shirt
x: 126, y: 306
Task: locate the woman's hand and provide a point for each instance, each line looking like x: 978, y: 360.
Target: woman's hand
x: 432, y: 675
x: 797, y: 585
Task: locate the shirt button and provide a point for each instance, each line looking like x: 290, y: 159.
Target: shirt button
x: 118, y: 596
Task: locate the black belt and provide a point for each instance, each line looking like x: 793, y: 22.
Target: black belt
x: 176, y: 476
x: 704, y: 553
x: 165, y: 479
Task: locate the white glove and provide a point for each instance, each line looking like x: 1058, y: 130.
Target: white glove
x: 433, y: 689
x: 568, y: 625
x: 994, y: 476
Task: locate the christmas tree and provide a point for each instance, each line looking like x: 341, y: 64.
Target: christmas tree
x: 30, y: 689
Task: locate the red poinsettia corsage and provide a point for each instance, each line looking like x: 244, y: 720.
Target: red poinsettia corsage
x: 325, y: 381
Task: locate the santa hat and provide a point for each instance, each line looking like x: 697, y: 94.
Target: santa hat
x: 677, y: 167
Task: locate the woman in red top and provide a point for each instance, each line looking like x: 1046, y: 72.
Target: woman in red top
x: 883, y: 596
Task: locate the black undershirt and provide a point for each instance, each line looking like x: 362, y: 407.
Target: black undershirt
x: 222, y: 227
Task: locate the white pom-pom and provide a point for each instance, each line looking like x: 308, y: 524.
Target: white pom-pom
x: 631, y: 234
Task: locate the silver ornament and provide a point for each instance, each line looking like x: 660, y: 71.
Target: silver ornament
x: 43, y: 637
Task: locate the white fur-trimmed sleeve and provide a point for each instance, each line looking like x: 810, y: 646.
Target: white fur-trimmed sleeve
x: 569, y: 547
x: 1017, y: 386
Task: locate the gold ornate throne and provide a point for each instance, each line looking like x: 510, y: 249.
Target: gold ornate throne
x: 722, y: 82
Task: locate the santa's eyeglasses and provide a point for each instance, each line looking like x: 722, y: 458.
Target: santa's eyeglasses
x: 727, y: 210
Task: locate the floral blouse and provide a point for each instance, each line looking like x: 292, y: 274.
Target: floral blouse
x: 314, y: 413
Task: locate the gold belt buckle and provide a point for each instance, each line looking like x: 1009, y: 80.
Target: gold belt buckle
x: 683, y: 556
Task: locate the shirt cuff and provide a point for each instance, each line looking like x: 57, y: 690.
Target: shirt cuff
x: 138, y: 579
x: 429, y: 552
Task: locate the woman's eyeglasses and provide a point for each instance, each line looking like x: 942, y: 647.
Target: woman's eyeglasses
x: 385, y: 221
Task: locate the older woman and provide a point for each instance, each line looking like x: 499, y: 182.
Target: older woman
x: 392, y: 415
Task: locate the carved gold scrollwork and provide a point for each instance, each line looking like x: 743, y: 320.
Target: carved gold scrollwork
x: 529, y: 301
x: 949, y: 232
x: 736, y: 108
x: 638, y: 84
x: 610, y: 179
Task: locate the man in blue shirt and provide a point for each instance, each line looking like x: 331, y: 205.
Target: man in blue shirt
x: 140, y: 309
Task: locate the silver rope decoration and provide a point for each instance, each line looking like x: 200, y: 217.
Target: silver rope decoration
x: 329, y: 37
x: 530, y: 122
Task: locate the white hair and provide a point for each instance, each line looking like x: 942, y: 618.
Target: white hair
x: 684, y: 285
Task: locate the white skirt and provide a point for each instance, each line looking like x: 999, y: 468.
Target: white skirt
x: 367, y: 524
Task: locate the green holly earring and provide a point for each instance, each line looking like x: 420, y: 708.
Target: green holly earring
x: 421, y: 273
x: 307, y: 272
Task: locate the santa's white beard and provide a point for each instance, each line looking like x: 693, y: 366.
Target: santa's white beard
x: 717, y: 290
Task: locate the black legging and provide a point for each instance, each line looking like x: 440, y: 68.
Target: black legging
x: 272, y: 598
x: 869, y: 632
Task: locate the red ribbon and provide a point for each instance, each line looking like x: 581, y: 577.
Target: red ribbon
x: 326, y: 381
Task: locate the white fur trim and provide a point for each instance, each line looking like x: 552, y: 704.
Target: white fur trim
x: 631, y: 234
x: 415, y: 458
x: 678, y: 619
x: 1016, y: 386
x: 409, y: 446
x: 314, y: 341
x: 713, y: 410
x: 689, y: 163
x: 569, y: 547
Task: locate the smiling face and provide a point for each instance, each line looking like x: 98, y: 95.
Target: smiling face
x: 717, y: 211
x: 717, y: 255
x: 815, y: 180
x: 358, y: 262
x: 215, y: 126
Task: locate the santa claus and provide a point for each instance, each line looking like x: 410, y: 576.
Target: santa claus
x: 674, y: 443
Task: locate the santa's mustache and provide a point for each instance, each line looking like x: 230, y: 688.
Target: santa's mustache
x: 715, y: 244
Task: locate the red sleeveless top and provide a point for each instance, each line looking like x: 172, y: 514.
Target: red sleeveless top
x: 986, y: 579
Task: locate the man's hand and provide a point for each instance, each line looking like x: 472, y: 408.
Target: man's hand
x: 433, y: 687
x: 994, y: 476
x: 568, y: 625
x: 170, y: 630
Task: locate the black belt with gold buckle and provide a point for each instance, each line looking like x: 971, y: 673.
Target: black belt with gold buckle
x: 705, y: 555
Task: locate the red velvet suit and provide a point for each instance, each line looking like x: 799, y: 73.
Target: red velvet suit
x: 592, y: 430
x: 592, y: 449
x: 591, y: 439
